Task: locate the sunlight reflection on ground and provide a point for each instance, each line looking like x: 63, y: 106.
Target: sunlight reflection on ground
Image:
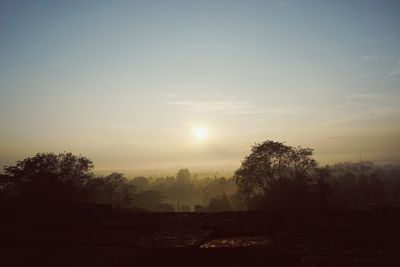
x: 243, y: 241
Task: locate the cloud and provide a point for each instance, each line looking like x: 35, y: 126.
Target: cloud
x: 392, y: 74
x: 373, y: 42
x: 348, y: 114
x: 230, y: 107
x: 224, y: 106
x: 395, y: 72
x: 168, y: 95
x: 335, y: 137
x: 368, y: 57
x: 365, y: 96
x: 184, y: 86
x: 367, y: 75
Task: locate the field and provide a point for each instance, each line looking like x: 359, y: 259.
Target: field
x: 104, y: 237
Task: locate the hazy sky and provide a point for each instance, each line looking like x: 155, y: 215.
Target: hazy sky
x: 124, y: 82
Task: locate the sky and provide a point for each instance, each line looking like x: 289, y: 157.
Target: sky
x: 125, y: 82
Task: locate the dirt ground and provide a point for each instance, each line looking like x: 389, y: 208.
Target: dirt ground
x: 253, y: 238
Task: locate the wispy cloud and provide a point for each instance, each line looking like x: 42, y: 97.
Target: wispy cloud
x: 184, y: 86
x: 395, y: 72
x: 348, y: 114
x: 368, y: 75
x: 374, y: 42
x: 368, y: 57
x: 236, y: 107
x: 392, y: 74
x: 365, y: 96
x: 168, y: 95
x: 221, y: 106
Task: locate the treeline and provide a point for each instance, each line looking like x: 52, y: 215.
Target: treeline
x: 181, y: 192
x: 364, y: 184
x: 277, y: 176
x: 49, y: 179
x: 272, y: 176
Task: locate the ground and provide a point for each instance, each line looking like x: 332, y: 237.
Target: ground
x: 106, y: 237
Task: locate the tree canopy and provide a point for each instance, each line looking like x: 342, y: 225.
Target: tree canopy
x: 49, y: 176
x: 183, y: 176
x: 275, y: 174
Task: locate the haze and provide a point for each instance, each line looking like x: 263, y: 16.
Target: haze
x: 126, y: 82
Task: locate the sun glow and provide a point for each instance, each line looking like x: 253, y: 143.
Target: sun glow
x: 200, y: 133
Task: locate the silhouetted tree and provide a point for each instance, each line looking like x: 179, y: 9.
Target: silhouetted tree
x: 47, y: 178
x: 377, y: 193
x: 111, y: 189
x: 111, y: 184
x: 275, y: 175
x: 359, y: 185
x: 183, y: 176
x: 323, y: 189
x: 127, y: 192
x: 7, y: 189
x: 140, y: 182
x: 218, y: 187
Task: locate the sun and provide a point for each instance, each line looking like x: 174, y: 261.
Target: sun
x: 200, y: 133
